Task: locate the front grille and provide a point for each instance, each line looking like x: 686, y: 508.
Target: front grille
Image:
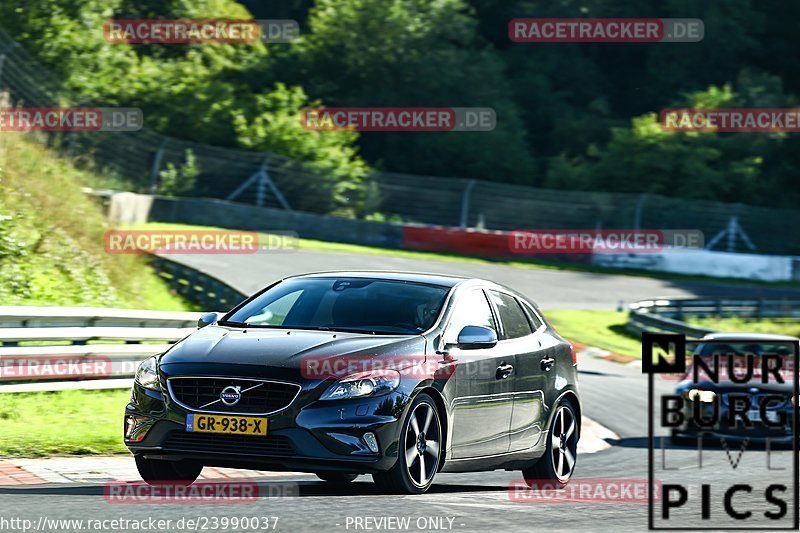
x: 257, y: 397
x: 183, y: 441
x: 757, y: 398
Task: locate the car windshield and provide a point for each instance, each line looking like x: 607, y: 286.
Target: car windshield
x: 739, y: 350
x: 708, y: 349
x: 376, y: 306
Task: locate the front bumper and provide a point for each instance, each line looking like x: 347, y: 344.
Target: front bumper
x: 308, y: 436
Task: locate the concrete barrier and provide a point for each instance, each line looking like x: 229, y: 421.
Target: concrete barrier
x: 473, y: 242
x: 224, y: 214
x: 707, y: 263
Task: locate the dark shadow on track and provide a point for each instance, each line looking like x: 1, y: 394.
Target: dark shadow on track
x: 295, y: 489
x: 664, y: 442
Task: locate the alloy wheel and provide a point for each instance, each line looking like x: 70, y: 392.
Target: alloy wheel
x: 564, y: 443
x: 422, y: 444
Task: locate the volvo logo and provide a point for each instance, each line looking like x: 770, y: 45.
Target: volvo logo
x: 230, y: 395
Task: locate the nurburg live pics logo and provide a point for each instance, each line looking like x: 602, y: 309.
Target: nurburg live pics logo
x: 740, y: 487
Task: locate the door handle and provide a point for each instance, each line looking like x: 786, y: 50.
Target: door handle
x: 547, y: 363
x: 503, y: 371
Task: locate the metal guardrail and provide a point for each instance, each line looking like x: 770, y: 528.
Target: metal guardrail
x: 74, y: 343
x: 53, y: 343
x: 198, y: 287
x: 63, y: 353
x: 42, y: 363
x: 36, y: 317
x: 663, y: 315
x: 13, y: 336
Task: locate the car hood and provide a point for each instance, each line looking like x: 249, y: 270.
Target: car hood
x: 287, y: 348
x: 754, y: 386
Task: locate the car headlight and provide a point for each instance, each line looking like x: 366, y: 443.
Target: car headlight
x: 363, y: 384
x: 700, y: 395
x: 147, y: 374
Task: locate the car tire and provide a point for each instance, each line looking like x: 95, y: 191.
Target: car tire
x: 336, y: 478
x: 419, y: 459
x: 556, y: 466
x: 160, y: 472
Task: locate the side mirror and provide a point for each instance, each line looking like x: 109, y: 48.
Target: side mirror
x: 476, y: 337
x: 208, y: 318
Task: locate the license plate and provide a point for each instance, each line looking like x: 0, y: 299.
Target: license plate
x: 229, y: 425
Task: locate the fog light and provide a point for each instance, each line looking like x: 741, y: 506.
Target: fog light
x: 371, y: 441
x: 133, y: 423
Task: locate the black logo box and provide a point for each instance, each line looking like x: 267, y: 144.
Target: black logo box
x: 668, y: 340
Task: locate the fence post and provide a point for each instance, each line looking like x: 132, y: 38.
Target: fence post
x: 262, y: 180
x: 637, y: 215
x: 465, y: 201
x: 156, y: 165
x: 3, y: 53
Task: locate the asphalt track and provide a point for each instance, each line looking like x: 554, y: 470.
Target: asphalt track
x: 614, y: 395
x: 551, y: 289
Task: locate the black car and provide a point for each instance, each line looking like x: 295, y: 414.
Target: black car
x: 392, y: 374
x: 765, y: 401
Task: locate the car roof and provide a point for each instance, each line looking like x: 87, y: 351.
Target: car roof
x: 731, y: 336
x: 445, y: 280
x: 415, y: 277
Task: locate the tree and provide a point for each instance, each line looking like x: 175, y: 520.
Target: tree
x: 414, y: 53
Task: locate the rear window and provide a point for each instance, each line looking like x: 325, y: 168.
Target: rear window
x: 515, y: 323
x: 533, y: 316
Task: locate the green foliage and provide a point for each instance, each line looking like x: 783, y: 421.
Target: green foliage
x: 413, y: 53
x: 174, y: 181
x: 207, y: 93
x: 274, y: 125
x: 734, y: 167
x: 51, y: 240
x: 29, y: 419
x: 571, y: 116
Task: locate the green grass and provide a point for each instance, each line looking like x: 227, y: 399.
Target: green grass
x: 311, y: 244
x: 785, y: 326
x: 51, y: 239
x: 39, y: 424
x: 603, y: 329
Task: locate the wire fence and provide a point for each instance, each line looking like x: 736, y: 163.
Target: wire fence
x: 274, y: 181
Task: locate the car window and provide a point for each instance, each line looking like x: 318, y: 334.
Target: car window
x: 515, y: 323
x: 275, y: 313
x: 376, y: 306
x: 472, y: 309
x: 536, y: 322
